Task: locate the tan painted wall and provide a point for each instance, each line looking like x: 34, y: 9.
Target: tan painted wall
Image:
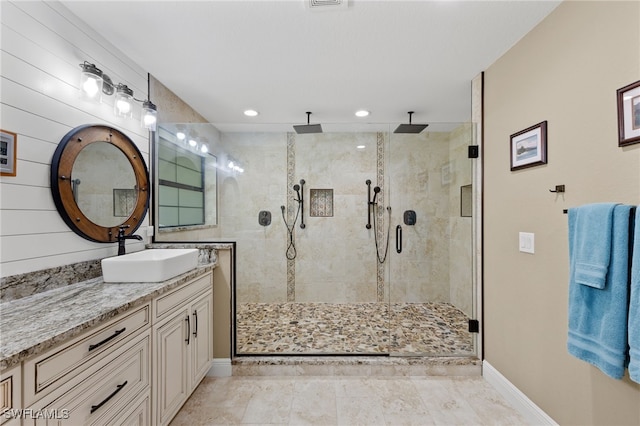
x: 566, y: 71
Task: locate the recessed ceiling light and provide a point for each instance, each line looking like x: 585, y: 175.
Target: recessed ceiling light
x: 361, y: 146
x: 362, y: 113
x: 251, y: 113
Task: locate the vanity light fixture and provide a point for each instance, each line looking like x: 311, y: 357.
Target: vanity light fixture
x: 94, y: 83
x: 91, y: 82
x: 234, y: 167
x: 123, y: 105
x: 149, y: 116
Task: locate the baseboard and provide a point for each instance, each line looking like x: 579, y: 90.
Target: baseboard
x: 220, y: 367
x: 527, y: 408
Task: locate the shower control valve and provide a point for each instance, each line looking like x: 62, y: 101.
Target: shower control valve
x: 264, y: 217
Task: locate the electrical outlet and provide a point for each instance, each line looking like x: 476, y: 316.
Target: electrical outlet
x: 527, y: 242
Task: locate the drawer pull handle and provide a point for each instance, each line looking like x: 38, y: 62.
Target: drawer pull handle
x: 113, y: 336
x: 95, y: 408
x: 195, y: 317
x: 188, y: 329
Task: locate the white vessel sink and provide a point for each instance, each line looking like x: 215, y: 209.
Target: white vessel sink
x: 148, y: 266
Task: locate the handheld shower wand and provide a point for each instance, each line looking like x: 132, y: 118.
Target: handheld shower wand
x: 376, y: 191
x: 296, y: 188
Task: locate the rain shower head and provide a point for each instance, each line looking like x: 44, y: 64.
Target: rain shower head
x: 410, y: 128
x: 308, y: 128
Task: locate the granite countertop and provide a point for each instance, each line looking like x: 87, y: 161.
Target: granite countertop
x: 33, y: 324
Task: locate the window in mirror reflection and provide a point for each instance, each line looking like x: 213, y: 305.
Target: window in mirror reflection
x: 181, y: 186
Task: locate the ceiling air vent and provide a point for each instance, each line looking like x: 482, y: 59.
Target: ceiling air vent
x: 326, y: 4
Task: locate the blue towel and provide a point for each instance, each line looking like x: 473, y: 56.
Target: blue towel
x: 598, y: 317
x: 592, y: 244
x: 634, y: 306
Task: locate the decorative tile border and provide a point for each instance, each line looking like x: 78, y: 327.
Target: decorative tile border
x: 291, y: 171
x: 380, y: 219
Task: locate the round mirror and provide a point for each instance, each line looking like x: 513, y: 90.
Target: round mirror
x: 99, y: 182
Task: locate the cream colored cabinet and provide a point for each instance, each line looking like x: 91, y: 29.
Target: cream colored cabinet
x: 93, y: 378
x: 52, y: 369
x: 182, y: 345
x: 101, y: 392
x: 11, y: 396
x: 202, y: 333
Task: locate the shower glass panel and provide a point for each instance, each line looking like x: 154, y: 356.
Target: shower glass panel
x: 348, y: 242
x: 430, y: 281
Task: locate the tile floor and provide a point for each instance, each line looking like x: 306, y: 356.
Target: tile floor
x: 433, y: 328
x: 343, y: 400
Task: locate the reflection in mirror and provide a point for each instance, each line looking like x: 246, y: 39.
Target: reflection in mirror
x: 106, y: 202
x: 186, y: 176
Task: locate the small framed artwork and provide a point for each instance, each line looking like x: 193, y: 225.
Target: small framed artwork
x: 629, y: 114
x: 8, y: 141
x: 529, y: 147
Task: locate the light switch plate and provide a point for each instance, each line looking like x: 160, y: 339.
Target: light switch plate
x: 527, y: 242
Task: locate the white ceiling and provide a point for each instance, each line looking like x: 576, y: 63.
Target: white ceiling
x: 283, y: 58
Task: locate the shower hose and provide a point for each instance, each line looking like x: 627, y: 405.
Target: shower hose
x: 383, y: 258
x: 291, y: 252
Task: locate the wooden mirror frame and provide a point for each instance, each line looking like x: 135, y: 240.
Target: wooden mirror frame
x: 62, y: 163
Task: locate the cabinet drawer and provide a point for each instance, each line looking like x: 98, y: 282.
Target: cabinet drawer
x: 136, y: 414
x: 47, y: 371
x: 168, y: 303
x: 101, y: 392
x: 10, y: 393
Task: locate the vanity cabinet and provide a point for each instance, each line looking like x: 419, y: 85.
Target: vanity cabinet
x: 183, y: 345
x: 136, y: 368
x: 10, y: 395
x: 95, y: 377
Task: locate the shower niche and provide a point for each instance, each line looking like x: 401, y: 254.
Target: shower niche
x: 321, y: 201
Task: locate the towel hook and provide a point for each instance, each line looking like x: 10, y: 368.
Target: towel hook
x: 559, y: 188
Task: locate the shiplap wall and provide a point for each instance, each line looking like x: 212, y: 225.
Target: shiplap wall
x: 42, y: 44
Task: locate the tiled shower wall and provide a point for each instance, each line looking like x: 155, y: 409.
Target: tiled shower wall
x: 335, y: 255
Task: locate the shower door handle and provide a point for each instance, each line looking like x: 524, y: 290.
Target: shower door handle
x: 399, y: 239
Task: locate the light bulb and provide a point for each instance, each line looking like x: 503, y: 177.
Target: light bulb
x: 204, y: 149
x: 149, y: 115
x: 180, y: 136
x: 123, y: 106
x: 91, y: 82
x: 192, y: 143
x: 90, y: 87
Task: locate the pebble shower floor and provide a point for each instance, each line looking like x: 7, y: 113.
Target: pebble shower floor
x: 431, y: 329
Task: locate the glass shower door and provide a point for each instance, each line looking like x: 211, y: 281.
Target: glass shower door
x: 430, y: 281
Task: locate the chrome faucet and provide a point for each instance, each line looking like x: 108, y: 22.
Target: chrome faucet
x: 122, y: 238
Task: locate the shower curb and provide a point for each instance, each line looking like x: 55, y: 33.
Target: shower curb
x: 355, y: 366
